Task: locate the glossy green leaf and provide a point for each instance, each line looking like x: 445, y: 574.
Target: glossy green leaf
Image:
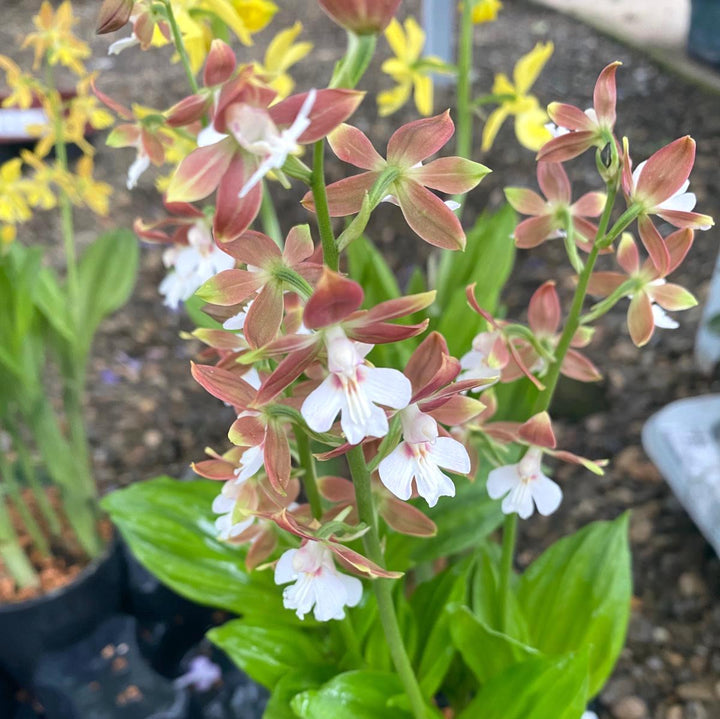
x: 429, y: 603
x: 169, y: 526
x: 486, y: 600
x: 353, y: 695
x: 266, y: 652
x: 106, y: 276
x: 487, y: 261
x: 541, y: 688
x: 576, y: 596
x: 486, y: 651
x: 463, y: 522
x: 295, y: 682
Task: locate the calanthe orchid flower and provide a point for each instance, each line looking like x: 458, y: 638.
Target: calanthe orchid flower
x: 192, y: 265
x: 524, y: 486
x: 269, y: 272
x: 408, y: 178
x: 578, y: 131
x: 259, y: 135
x: 544, y: 319
x: 646, y: 287
x: 410, y: 70
x: 485, y: 361
x: 530, y: 118
x: 552, y: 216
x: 317, y: 584
x: 354, y: 389
x: 420, y: 457
x: 658, y: 186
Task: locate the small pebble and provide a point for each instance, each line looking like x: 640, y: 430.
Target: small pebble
x: 630, y: 708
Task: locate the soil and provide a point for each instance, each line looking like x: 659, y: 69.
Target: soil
x: 146, y: 416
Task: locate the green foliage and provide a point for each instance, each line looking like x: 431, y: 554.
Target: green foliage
x: 539, y: 688
x: 106, y: 277
x: 576, y: 596
x: 169, y: 526
x: 266, y: 652
x: 486, y: 262
x: 352, y: 695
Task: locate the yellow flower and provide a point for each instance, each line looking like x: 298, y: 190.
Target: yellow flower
x: 39, y: 188
x: 530, y: 118
x: 54, y: 38
x: 243, y: 17
x: 409, y: 69
x: 14, y: 206
x: 22, y: 86
x: 73, y: 125
x: 88, y: 191
x: 486, y: 11
x: 7, y: 237
x: 282, y: 53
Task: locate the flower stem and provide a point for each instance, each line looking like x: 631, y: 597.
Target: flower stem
x: 383, y: 587
x: 269, y: 218
x: 359, y: 53
x: 307, y: 461
x: 506, y: 566
x: 330, y: 252
x: 180, y: 46
x: 573, y: 321
x: 464, y: 134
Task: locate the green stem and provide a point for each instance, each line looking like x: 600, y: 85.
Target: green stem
x: 31, y: 477
x: 180, y: 46
x: 383, y: 587
x: 269, y: 218
x: 464, y: 135
x: 506, y: 567
x: 12, y: 488
x: 307, y: 462
x: 359, y: 53
x: 351, y: 641
x: 573, y: 321
x: 12, y: 554
x: 330, y: 253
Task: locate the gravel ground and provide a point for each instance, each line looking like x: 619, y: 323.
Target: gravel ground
x: 147, y: 417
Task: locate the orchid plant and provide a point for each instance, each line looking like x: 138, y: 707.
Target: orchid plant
x: 382, y: 440
x: 48, y: 318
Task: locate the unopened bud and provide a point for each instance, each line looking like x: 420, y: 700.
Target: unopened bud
x: 363, y: 17
x: 114, y: 14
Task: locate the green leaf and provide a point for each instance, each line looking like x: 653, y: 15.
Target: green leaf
x: 541, y: 688
x: 576, y: 596
x: 367, y: 266
x: 353, y: 695
x: 193, y: 307
x: 106, y: 276
x: 463, y: 522
x: 169, y: 526
x: 429, y: 602
x: 52, y: 303
x: 486, y: 651
x: 266, y: 652
x: 295, y: 682
x: 376, y: 650
x: 487, y: 262
x: 486, y: 600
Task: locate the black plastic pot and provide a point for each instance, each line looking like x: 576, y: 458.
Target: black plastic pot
x: 704, y: 37
x: 49, y: 623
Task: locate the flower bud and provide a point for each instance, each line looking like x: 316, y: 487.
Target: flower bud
x: 113, y: 15
x: 363, y: 17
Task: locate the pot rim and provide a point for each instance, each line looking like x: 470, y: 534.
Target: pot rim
x: 110, y: 548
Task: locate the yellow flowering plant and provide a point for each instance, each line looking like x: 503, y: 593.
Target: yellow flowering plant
x: 48, y: 318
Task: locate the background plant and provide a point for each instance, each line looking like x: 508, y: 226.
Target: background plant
x: 49, y: 318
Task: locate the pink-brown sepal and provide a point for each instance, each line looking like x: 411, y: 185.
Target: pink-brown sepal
x: 417, y: 140
x: 113, y: 15
x: 220, y: 64
x: 352, y: 146
x: 605, y: 95
x: 335, y: 298
x: 538, y: 431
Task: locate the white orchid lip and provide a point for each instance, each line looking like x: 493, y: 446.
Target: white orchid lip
x: 354, y: 389
x: 420, y: 457
x: 524, y: 486
x: 318, y: 586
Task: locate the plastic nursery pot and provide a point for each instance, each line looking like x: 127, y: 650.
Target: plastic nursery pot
x: 61, y: 617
